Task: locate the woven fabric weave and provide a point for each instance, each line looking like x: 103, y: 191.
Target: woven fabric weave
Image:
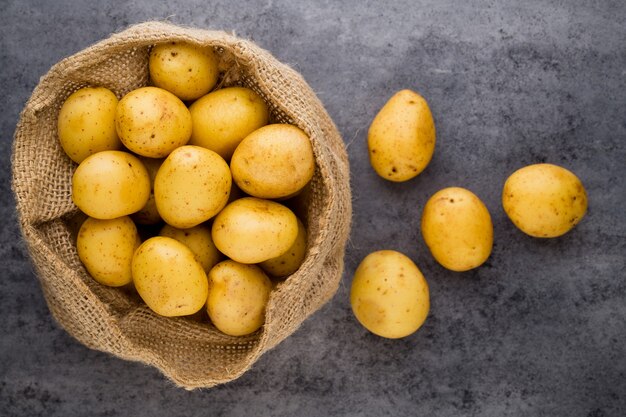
x: 192, y: 354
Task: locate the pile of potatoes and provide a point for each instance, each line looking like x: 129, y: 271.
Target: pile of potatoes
x: 204, y: 164
x: 389, y: 295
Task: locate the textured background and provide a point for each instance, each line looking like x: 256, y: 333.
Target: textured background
x: 540, y: 330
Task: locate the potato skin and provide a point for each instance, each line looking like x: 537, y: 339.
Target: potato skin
x: 389, y: 295
x: 401, y: 138
x: 149, y: 213
x: 198, y: 239
x: 251, y: 230
x: 289, y: 262
x: 238, y: 295
x: 168, y: 278
x: 223, y: 118
x: 187, y: 71
x: 110, y: 184
x: 274, y: 161
x: 152, y: 122
x: 86, y: 123
x: 457, y: 229
x: 544, y: 200
x: 191, y: 186
x: 106, y: 248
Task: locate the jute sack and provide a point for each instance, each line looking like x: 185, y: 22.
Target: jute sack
x: 192, y: 354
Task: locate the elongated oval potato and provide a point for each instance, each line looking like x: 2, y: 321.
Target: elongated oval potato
x: 389, y: 295
x: 191, y: 186
x: 152, y: 122
x: 238, y: 294
x: 168, y: 278
x: 251, y: 230
x: 187, y: 71
x: 401, y: 139
x: 457, y: 229
x: 86, y: 123
x: 274, y: 161
x: 289, y: 262
x: 106, y: 248
x: 149, y: 213
x: 110, y: 184
x: 222, y: 119
x: 544, y: 200
x: 198, y: 239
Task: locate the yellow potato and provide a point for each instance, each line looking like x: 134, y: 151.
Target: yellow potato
x: 544, y: 200
x: 86, y: 123
x: 149, y: 213
x: 168, y: 277
x: 152, y: 122
x: 188, y: 71
x: 106, y: 248
x: 274, y: 161
x: 457, y: 229
x: 251, y: 230
x: 389, y: 295
x: 191, y: 186
x: 289, y: 262
x: 110, y: 184
x: 222, y: 119
x: 238, y: 295
x: 401, y: 139
x: 199, y: 240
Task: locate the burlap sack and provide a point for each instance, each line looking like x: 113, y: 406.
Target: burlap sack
x: 190, y: 353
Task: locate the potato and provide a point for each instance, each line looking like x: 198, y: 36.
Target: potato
x: 401, y: 139
x: 389, y: 295
x: 251, y: 230
x: 110, y: 184
x: 457, y: 229
x: 152, y: 122
x: 191, y: 186
x: 168, y: 278
x: 289, y: 262
x: 238, y: 295
x: 198, y: 239
x: 274, y: 161
x: 106, y: 248
x: 224, y: 117
x: 544, y: 200
x: 149, y: 213
x: 86, y: 123
x: 188, y: 71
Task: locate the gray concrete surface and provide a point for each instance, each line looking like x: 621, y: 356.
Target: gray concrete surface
x: 540, y: 330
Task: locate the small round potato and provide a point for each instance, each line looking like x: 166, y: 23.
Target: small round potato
x: 289, y: 262
x: 389, y: 295
x: 149, y: 213
x: 86, y: 123
x: 168, y: 277
x: 401, y: 138
x: 544, y: 200
x: 152, y: 122
x: 222, y: 119
x: 199, y: 240
x: 110, y: 184
x: 191, y: 186
x: 274, y: 161
x: 457, y: 229
x: 251, y: 230
x: 238, y: 295
x: 106, y: 248
x: 188, y: 71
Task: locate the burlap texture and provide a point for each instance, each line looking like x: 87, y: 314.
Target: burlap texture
x: 192, y: 354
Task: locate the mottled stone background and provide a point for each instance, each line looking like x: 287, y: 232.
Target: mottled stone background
x: 540, y: 330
